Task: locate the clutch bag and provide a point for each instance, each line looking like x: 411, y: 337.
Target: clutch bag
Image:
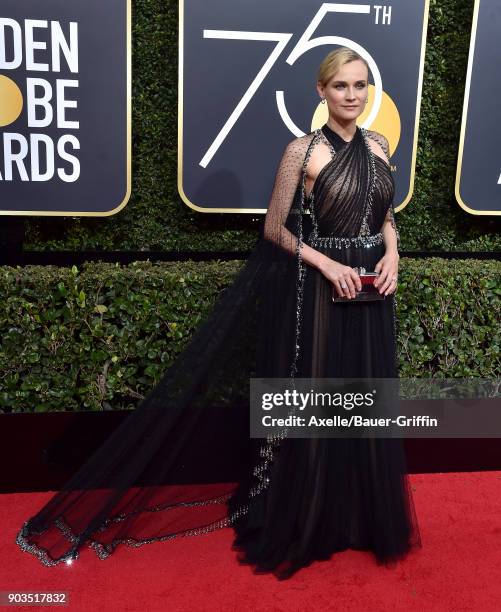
x: 369, y: 293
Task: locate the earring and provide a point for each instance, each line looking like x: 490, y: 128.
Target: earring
x: 366, y: 100
x: 322, y: 100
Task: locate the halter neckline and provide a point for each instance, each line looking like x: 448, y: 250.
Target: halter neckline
x: 335, y: 138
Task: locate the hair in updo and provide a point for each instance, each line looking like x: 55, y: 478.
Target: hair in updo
x: 333, y: 62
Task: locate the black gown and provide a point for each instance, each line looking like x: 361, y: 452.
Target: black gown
x: 299, y: 500
x: 329, y: 494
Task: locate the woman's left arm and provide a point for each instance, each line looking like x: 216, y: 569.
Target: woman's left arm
x: 387, y: 266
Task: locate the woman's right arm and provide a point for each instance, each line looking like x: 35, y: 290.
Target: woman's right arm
x: 286, y: 181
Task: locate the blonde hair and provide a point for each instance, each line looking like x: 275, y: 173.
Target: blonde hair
x: 333, y: 62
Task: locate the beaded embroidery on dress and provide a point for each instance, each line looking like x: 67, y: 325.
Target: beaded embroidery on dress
x: 296, y: 500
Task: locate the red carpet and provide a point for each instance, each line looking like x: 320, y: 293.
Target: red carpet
x: 458, y: 568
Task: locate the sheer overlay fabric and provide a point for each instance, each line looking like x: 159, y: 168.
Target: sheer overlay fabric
x: 297, y: 500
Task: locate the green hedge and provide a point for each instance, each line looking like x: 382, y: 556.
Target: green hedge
x: 157, y: 219
x: 100, y: 337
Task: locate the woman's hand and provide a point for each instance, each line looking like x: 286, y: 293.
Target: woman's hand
x: 387, y: 267
x: 345, y: 279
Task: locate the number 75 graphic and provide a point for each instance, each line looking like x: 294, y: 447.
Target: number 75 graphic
x: 306, y: 42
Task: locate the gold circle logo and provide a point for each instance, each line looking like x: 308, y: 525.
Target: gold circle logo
x: 11, y: 101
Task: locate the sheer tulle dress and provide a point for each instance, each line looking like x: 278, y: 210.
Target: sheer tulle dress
x: 296, y: 500
x: 329, y: 494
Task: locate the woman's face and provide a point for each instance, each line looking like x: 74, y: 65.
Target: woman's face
x: 346, y: 91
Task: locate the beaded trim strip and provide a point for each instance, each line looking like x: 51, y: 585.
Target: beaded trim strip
x: 41, y: 553
x: 160, y: 508
x: 340, y: 242
x: 103, y: 551
x: 371, y: 183
x: 267, y: 450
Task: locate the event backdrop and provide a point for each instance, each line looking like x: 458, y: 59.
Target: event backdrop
x: 64, y: 107
x: 478, y: 180
x: 156, y: 218
x: 247, y: 87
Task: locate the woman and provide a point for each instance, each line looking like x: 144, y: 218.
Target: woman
x: 300, y: 499
x: 326, y: 495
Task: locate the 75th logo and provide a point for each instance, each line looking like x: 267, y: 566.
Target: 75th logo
x: 306, y: 42
x: 269, y: 53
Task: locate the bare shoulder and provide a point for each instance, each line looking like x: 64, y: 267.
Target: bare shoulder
x: 380, y: 140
